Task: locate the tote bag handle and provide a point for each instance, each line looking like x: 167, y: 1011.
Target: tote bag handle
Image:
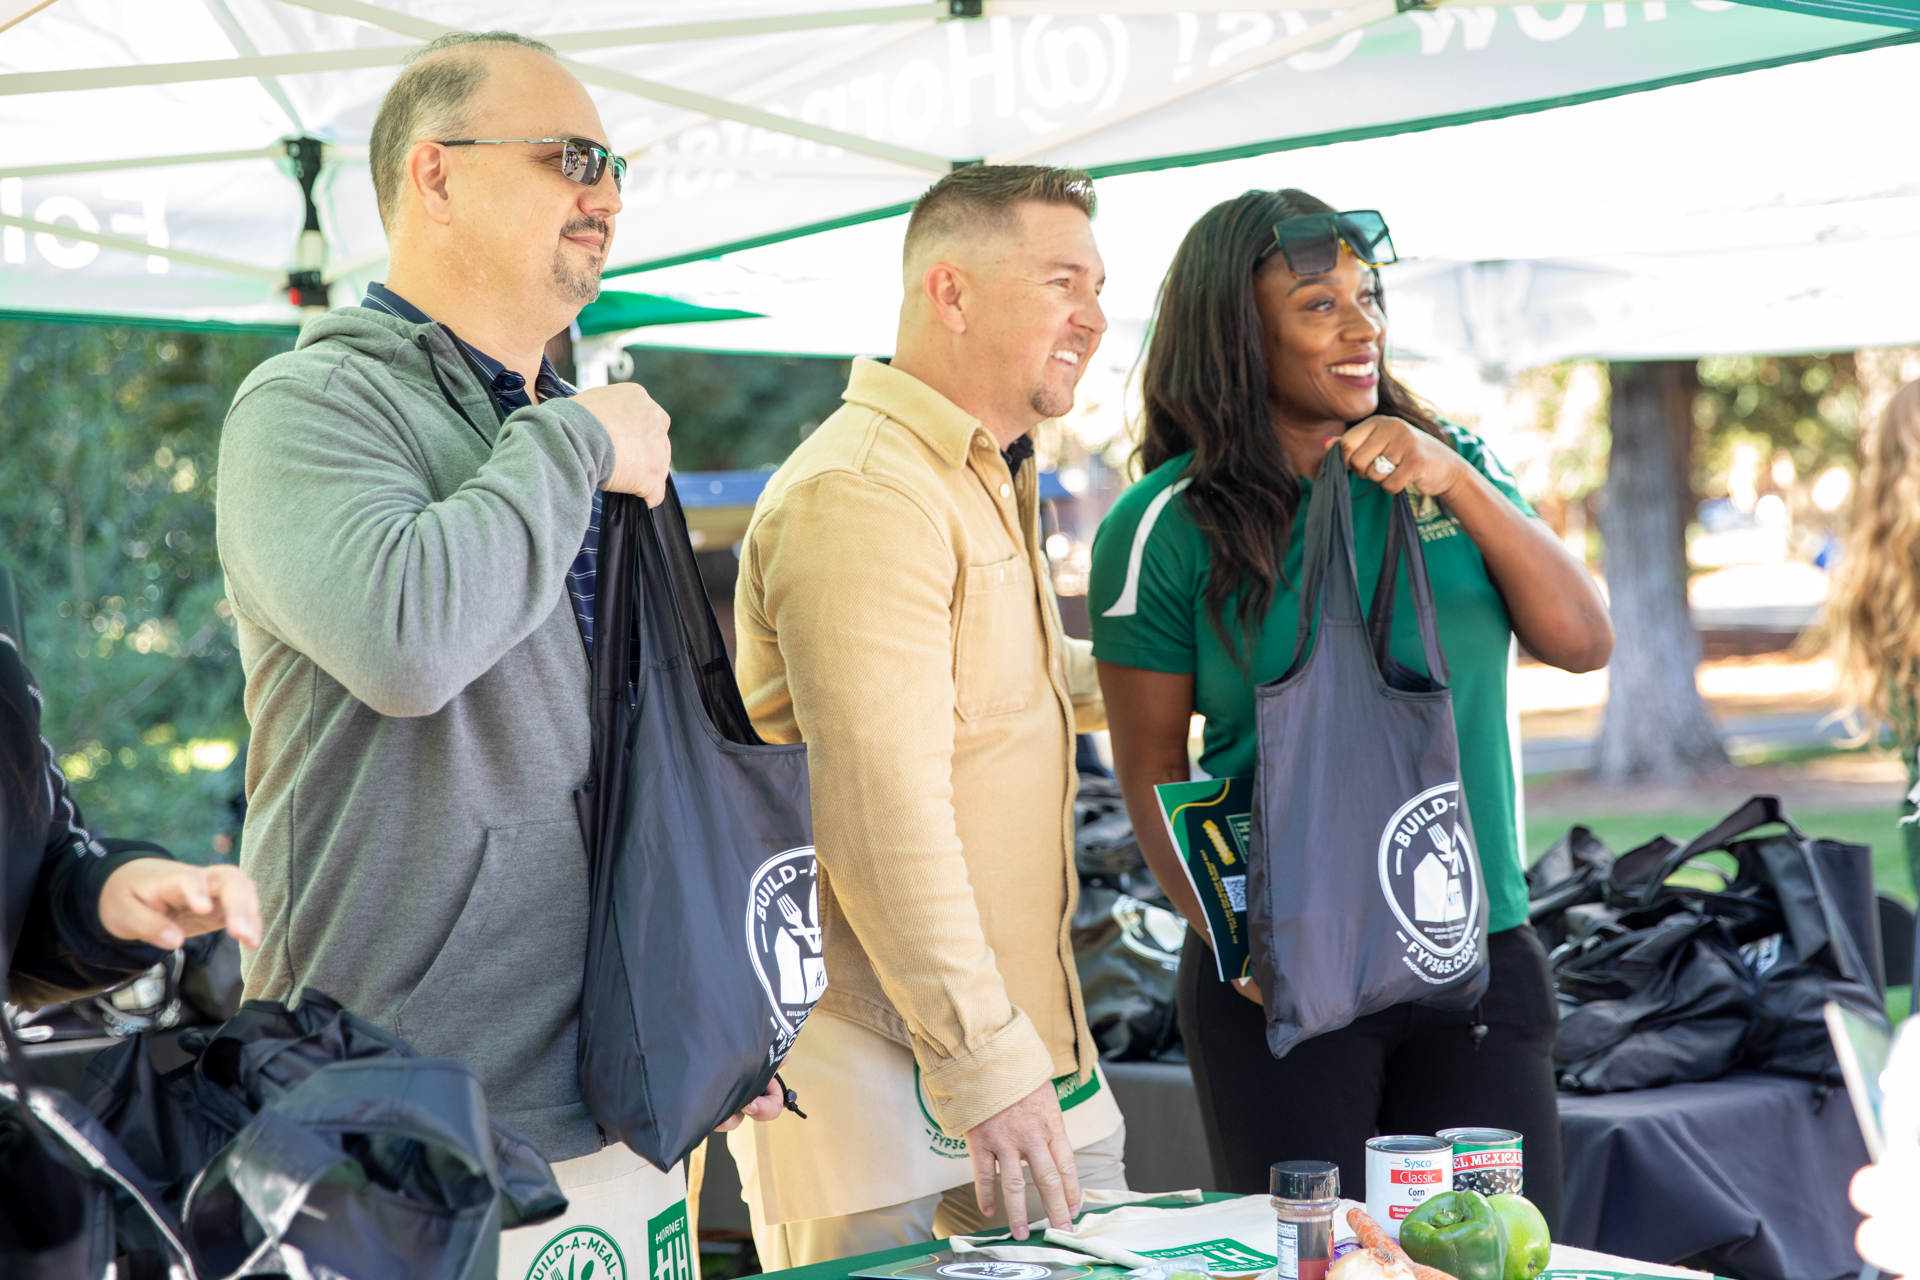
x: 1403, y: 541
x: 1329, y: 580
x: 676, y: 622
x: 656, y: 611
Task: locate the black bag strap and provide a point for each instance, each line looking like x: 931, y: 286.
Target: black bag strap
x: 1403, y: 541
x: 676, y: 622
x: 615, y: 650
x: 1757, y: 812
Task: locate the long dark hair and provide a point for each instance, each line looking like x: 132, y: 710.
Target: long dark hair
x: 22, y: 777
x: 1205, y: 388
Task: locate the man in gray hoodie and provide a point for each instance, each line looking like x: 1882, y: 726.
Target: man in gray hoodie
x: 407, y: 520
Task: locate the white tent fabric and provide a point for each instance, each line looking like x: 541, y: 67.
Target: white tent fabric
x: 1715, y: 217
x: 142, y: 173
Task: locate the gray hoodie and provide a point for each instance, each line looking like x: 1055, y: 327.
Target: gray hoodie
x: 417, y: 688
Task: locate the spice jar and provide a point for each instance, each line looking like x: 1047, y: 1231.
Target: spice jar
x: 1304, y: 1195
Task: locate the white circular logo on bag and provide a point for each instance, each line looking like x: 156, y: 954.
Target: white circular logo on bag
x: 1431, y: 879
x: 994, y: 1271
x: 784, y: 939
x: 579, y: 1253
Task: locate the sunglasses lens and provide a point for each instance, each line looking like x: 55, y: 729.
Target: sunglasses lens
x: 619, y: 172
x: 584, y: 162
x: 1366, y: 234
x: 1310, y: 245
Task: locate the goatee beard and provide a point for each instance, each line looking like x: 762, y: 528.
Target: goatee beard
x: 1045, y: 404
x: 581, y: 286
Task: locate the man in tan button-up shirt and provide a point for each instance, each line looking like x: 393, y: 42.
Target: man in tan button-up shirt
x: 894, y: 611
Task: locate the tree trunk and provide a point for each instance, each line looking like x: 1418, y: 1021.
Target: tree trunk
x: 1656, y: 723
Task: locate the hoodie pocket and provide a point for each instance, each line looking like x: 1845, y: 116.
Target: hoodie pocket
x: 517, y: 944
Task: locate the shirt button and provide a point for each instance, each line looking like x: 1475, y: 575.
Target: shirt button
x: 1006, y: 490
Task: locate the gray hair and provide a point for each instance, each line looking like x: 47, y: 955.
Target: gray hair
x: 429, y: 100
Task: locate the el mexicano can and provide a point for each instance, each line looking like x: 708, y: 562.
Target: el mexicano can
x: 1486, y: 1160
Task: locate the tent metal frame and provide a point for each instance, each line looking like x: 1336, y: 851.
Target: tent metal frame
x: 858, y: 156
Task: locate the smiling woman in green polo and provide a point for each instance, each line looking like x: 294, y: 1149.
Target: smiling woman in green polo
x: 1266, y: 352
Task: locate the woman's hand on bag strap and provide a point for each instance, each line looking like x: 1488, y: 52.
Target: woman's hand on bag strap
x: 1394, y: 454
x: 1552, y: 601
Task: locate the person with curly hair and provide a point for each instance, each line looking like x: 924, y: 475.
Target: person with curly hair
x: 1873, y: 609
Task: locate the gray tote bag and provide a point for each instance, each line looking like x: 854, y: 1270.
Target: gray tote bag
x: 1364, y: 889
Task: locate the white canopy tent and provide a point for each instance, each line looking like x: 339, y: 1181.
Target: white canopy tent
x: 145, y: 172
x: 1722, y: 216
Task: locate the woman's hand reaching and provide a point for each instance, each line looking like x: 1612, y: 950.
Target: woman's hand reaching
x: 163, y: 903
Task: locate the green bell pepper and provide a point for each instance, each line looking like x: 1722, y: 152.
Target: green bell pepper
x: 1457, y: 1232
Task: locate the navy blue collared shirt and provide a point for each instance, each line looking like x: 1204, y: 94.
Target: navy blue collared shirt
x: 510, y: 393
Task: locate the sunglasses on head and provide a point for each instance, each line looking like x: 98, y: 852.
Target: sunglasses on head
x: 582, y: 161
x: 1311, y: 243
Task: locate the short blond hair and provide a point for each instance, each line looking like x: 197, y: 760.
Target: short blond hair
x: 982, y: 198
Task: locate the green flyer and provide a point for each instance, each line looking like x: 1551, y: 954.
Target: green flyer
x: 1211, y: 823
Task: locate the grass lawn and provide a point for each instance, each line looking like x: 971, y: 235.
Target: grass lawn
x: 1870, y: 827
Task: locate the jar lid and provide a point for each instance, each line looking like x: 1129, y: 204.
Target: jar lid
x: 1306, y: 1180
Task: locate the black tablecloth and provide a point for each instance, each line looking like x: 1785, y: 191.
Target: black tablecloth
x: 1742, y: 1172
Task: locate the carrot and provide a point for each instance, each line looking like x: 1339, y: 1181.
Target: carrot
x: 1372, y: 1235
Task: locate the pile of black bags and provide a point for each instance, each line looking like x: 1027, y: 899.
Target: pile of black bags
x: 1675, y: 965
x: 295, y: 1142
x: 1126, y: 939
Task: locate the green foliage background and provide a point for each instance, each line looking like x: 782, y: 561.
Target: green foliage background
x: 1808, y: 406
x: 738, y: 412
x: 108, y: 440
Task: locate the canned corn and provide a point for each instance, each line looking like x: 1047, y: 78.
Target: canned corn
x: 1403, y: 1172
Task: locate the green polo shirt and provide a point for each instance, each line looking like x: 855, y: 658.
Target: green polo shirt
x: 1147, y: 599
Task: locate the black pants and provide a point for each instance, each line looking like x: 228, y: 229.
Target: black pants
x: 1407, y: 1069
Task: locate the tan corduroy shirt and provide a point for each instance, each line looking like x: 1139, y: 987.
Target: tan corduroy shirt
x: 894, y: 611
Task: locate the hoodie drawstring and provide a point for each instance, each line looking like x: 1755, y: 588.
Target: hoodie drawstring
x: 420, y: 340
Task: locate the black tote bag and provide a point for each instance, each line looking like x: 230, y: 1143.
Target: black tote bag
x: 71, y: 1201
x: 704, y: 950
x: 1799, y: 911
x: 1364, y: 889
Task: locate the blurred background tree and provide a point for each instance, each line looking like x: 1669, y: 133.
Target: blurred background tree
x: 108, y: 443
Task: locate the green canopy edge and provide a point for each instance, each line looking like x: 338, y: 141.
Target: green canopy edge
x: 134, y: 321
x: 1886, y: 13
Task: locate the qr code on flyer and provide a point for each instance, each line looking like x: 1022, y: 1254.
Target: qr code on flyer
x: 1236, y: 887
